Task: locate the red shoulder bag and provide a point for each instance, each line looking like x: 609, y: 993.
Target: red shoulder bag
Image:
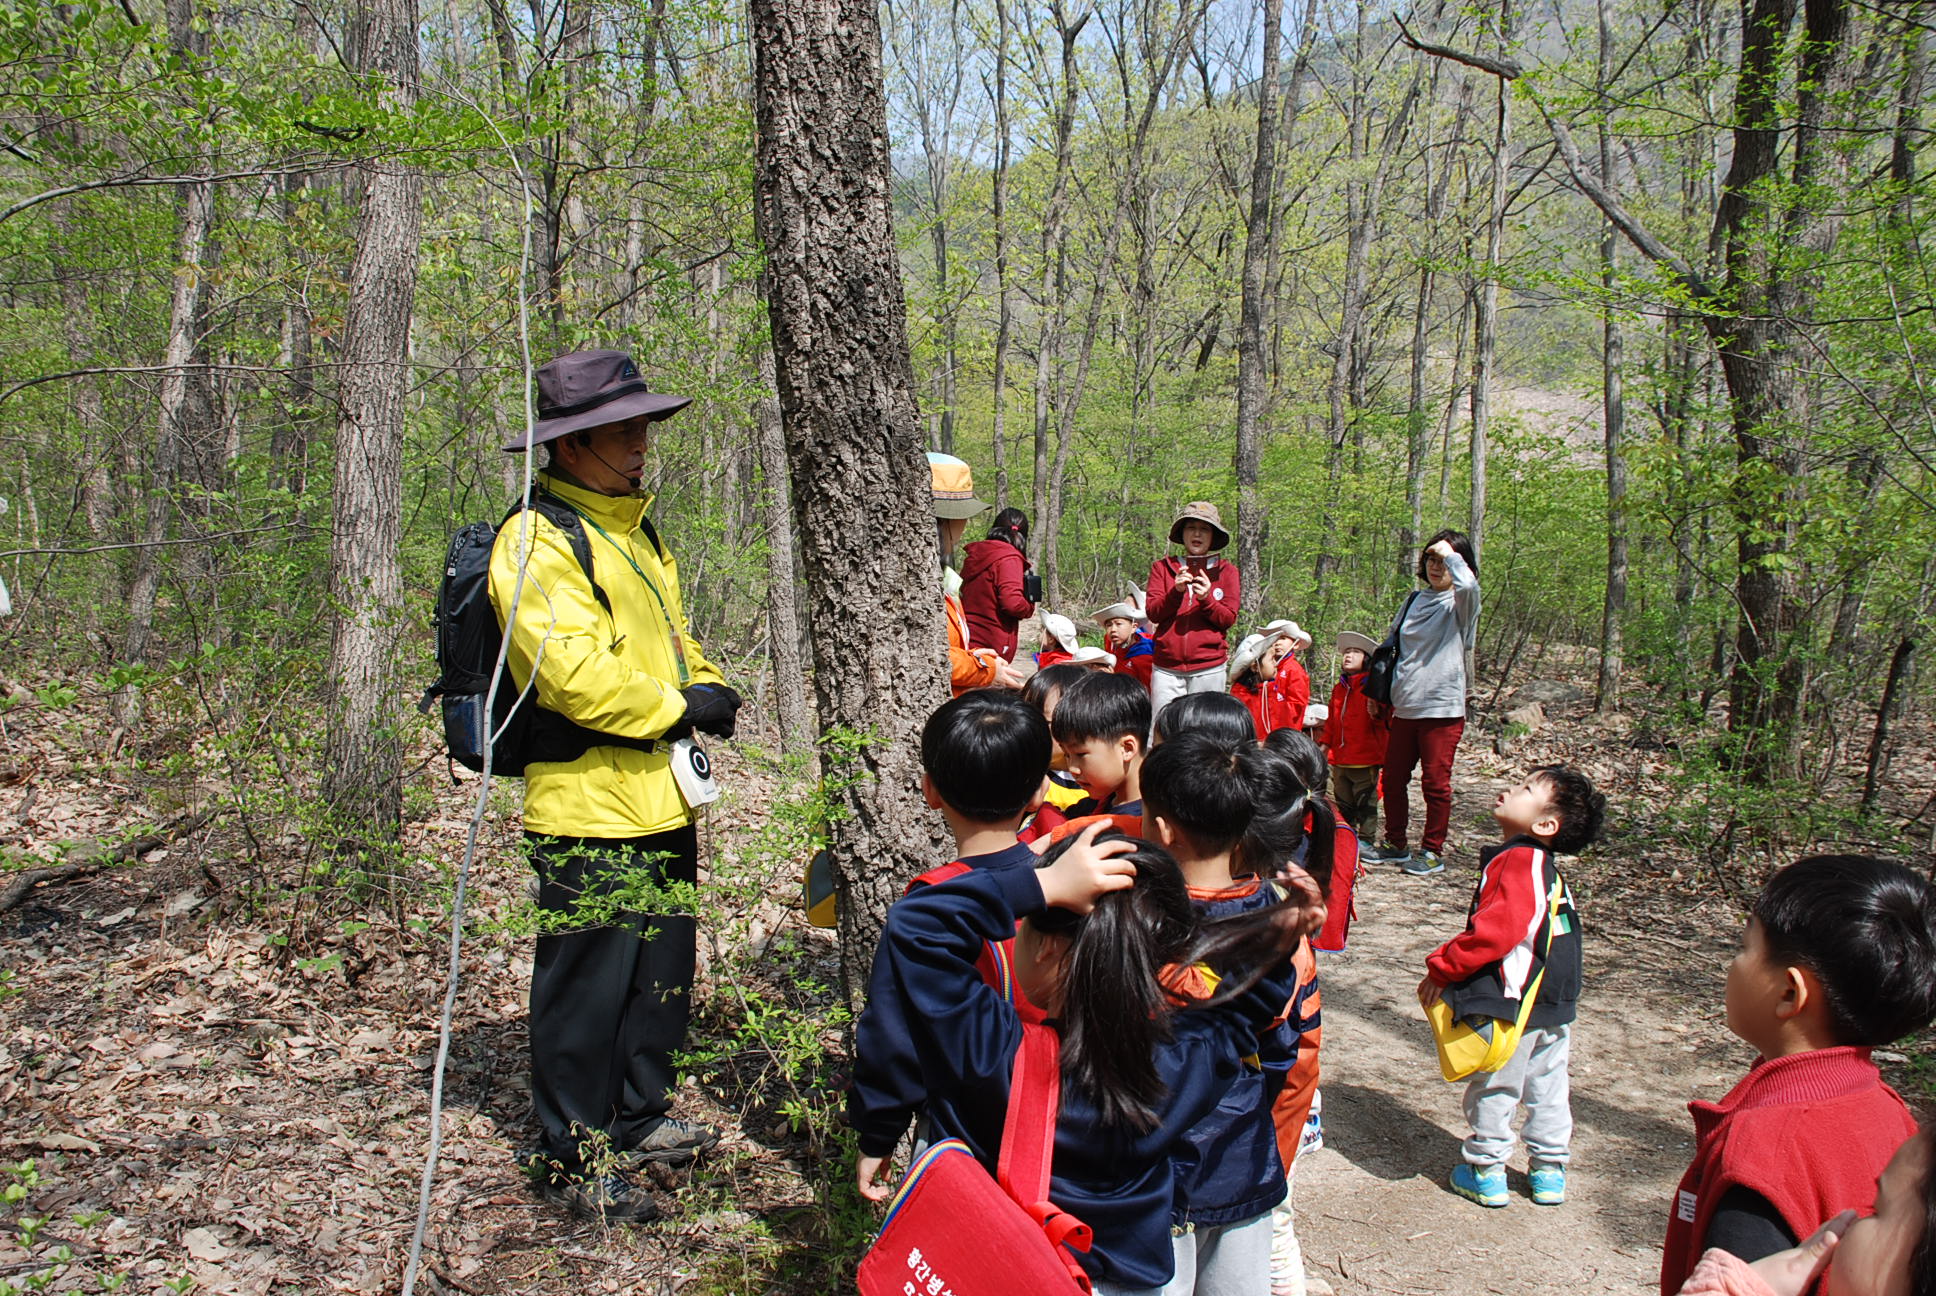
x: 953, y: 1231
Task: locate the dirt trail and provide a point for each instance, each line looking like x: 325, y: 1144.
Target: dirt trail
x: 1374, y: 1212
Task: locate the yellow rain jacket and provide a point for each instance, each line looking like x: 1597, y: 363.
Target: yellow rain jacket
x: 619, y: 673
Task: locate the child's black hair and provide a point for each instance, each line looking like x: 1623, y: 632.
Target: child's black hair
x: 1582, y: 811
x: 1217, y: 714
x: 986, y: 752
x: 1305, y: 756
x: 1102, y: 708
x: 1052, y: 679
x: 1461, y: 544
x: 1866, y: 928
x: 1202, y: 785
x: 1114, y: 1006
x: 1011, y: 524
x: 1284, y: 799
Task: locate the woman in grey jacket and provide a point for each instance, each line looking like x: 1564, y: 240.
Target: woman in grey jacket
x: 1436, y: 628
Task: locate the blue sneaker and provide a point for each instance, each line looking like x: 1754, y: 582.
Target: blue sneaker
x: 1549, y: 1184
x: 1422, y: 863
x: 1483, y: 1184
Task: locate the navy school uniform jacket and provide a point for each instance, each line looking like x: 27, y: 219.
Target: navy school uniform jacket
x: 1230, y: 1170
x: 1116, y: 1180
x: 888, y: 1090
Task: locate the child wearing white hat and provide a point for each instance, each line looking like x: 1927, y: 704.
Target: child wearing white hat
x: 1124, y: 636
x: 1059, y: 641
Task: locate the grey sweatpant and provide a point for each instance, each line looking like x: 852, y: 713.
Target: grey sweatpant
x: 1166, y: 686
x: 1214, y: 1260
x: 1535, y: 1078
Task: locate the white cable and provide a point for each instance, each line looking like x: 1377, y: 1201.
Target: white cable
x: 525, y: 537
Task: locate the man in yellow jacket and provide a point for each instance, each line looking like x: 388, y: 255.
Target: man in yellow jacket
x: 610, y: 651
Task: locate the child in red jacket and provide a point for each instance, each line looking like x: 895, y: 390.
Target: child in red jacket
x: 1354, y: 737
x: 1134, y: 650
x: 1192, y: 601
x: 1838, y: 958
x: 1291, y: 685
x: 1522, y: 939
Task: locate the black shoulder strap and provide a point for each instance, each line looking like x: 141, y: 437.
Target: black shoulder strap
x: 652, y: 534
x: 566, y: 519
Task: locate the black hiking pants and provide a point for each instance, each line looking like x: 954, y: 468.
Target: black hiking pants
x: 609, y: 1002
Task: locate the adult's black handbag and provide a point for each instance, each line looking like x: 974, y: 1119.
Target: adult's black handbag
x: 1383, y: 667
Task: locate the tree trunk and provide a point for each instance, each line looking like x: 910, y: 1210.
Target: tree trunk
x: 1259, y: 227
x: 1005, y: 319
x: 194, y: 218
x: 1613, y: 405
x: 853, y: 433
x: 1485, y: 321
x: 1418, y: 417
x: 362, y: 755
x: 782, y: 608
x: 1053, y: 301
x: 1762, y: 345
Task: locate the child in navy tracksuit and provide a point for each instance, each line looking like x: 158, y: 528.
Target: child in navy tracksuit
x: 1198, y: 794
x: 984, y: 756
x: 1138, y: 1070
x: 1102, y: 724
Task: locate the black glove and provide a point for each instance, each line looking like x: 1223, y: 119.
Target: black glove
x: 710, y: 708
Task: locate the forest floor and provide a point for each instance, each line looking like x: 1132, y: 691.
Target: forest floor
x: 220, y: 1078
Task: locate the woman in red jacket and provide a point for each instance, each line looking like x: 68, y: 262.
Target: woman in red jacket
x: 1192, y: 601
x: 995, y: 584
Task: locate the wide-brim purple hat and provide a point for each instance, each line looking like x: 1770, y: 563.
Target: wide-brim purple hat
x: 588, y: 389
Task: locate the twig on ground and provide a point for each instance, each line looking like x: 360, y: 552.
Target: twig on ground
x: 97, y: 856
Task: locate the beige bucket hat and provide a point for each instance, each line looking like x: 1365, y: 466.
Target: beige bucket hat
x: 1205, y: 512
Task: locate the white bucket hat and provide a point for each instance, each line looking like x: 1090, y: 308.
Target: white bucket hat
x: 1093, y: 657
x: 1061, y: 629
x: 1251, y: 649
x: 1290, y: 630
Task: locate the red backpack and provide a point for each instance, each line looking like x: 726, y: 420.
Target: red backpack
x: 951, y: 1228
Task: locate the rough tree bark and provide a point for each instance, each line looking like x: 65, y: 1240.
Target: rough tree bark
x: 854, y: 438
x: 782, y: 607
x: 362, y: 755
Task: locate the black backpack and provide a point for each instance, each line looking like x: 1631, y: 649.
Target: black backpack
x: 468, y: 640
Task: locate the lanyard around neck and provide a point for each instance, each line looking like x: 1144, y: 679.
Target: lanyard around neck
x: 673, y: 636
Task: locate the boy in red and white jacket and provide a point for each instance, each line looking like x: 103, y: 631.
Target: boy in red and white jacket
x: 1838, y: 958
x: 1192, y: 602
x: 1516, y: 933
x: 1354, y: 738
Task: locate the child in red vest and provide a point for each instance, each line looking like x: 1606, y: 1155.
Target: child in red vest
x: 1192, y: 601
x: 984, y: 756
x: 1354, y: 737
x: 1838, y: 958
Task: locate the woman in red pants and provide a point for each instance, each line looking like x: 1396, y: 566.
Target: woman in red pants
x: 1435, y: 629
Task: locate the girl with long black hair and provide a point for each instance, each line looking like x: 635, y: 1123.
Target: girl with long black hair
x: 1101, y: 924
